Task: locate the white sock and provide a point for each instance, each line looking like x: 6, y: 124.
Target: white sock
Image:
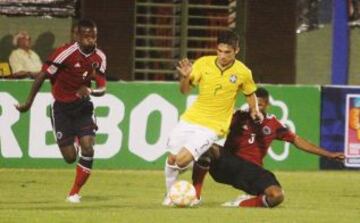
x: 171, y: 175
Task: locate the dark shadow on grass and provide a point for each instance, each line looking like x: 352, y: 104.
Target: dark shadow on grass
x: 93, y: 198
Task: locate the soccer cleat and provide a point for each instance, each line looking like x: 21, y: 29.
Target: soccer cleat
x: 167, y: 201
x: 236, y: 202
x: 196, y: 202
x: 75, y: 198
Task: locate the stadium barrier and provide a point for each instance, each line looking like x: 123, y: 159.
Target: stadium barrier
x: 134, y: 121
x: 340, y: 124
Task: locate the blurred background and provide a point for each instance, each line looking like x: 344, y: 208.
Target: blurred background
x: 282, y: 41
x: 306, y: 52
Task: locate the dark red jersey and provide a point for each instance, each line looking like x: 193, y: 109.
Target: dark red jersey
x: 251, y: 141
x: 69, y: 68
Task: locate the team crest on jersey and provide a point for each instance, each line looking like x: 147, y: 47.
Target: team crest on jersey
x: 77, y: 65
x: 233, y: 78
x: 266, y: 130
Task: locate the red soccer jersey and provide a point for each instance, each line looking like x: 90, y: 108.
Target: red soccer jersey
x: 251, y: 141
x: 69, y: 68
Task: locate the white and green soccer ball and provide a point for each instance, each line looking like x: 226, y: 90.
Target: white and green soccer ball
x: 182, y: 193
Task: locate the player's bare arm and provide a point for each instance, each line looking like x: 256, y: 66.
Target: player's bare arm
x: 311, y: 148
x: 39, y: 80
x: 255, y: 113
x: 184, y: 68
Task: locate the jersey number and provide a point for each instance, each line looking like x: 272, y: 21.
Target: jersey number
x: 217, y: 88
x: 252, y: 138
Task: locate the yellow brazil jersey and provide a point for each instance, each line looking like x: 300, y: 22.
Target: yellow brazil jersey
x: 218, y: 89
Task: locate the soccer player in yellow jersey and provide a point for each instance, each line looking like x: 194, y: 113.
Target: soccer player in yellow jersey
x: 219, y: 79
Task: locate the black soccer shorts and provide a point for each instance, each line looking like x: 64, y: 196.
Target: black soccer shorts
x: 72, y: 119
x: 241, y: 174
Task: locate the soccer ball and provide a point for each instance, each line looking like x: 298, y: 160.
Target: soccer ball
x: 182, y: 193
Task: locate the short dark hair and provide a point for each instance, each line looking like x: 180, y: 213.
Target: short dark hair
x: 262, y: 93
x: 86, y: 23
x: 228, y: 37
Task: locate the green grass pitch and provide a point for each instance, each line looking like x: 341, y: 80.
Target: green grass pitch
x: 135, y: 196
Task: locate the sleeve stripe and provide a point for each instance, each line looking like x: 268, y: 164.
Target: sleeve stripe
x: 66, y: 53
x: 53, y: 68
x: 103, y: 62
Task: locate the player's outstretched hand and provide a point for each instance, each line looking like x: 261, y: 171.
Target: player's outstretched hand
x: 184, y: 67
x: 23, y: 107
x: 83, y: 92
x: 338, y: 156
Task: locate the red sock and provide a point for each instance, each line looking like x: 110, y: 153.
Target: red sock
x: 254, y: 202
x: 82, y: 174
x: 198, y: 176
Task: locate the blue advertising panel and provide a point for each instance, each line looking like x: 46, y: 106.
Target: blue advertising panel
x: 333, y: 120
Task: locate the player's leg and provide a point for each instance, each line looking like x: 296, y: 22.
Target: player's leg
x: 85, y: 128
x: 267, y: 189
x: 271, y: 197
x: 69, y: 153
x: 175, y: 141
x: 85, y: 163
x: 198, y: 141
x: 64, y: 127
x: 274, y: 195
x: 177, y: 153
x: 261, y: 184
x: 64, y: 133
x: 184, y: 158
x: 202, y: 166
x: 186, y: 143
x: 222, y: 169
x: 171, y: 171
x: 231, y: 170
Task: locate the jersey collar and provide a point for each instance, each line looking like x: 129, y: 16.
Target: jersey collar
x: 227, y: 68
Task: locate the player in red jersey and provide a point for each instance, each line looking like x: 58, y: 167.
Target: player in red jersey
x: 240, y: 162
x: 71, y: 69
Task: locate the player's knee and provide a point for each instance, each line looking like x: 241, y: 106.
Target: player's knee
x: 204, y: 161
x: 171, y: 159
x: 182, y: 161
x: 275, y: 196
x: 70, y: 159
x: 278, y: 198
x: 87, y: 146
x: 87, y: 151
x: 69, y: 153
x: 183, y: 158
